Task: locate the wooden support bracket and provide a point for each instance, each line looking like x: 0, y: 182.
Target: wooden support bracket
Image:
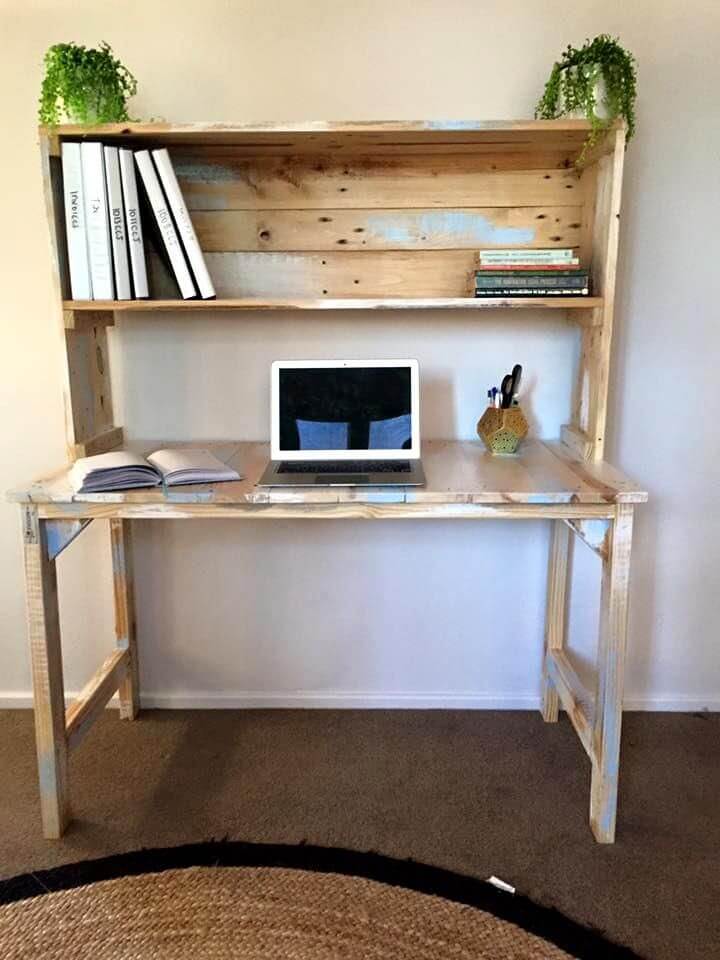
x: 61, y: 533
x: 94, y: 697
x: 593, y: 533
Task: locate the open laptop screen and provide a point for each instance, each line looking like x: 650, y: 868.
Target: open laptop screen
x: 348, y: 409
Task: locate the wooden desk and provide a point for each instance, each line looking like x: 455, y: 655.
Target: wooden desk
x: 592, y: 500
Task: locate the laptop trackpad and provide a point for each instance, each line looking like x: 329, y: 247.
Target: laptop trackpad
x: 340, y: 479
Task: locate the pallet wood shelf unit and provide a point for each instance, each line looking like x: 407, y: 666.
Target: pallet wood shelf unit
x: 356, y: 216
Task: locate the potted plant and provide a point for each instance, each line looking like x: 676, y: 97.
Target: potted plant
x: 84, y: 85
x: 597, y: 81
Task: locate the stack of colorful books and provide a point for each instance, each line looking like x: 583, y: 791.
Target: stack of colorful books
x: 531, y: 273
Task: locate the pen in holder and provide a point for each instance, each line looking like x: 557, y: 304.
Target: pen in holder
x: 501, y: 430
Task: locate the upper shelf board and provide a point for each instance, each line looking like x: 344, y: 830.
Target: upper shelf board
x: 347, y: 137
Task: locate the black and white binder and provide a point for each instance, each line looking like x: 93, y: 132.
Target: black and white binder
x: 80, y: 283
x: 133, y: 224
x: 164, y: 221
x: 184, y: 223
x: 118, y: 232
x: 97, y: 221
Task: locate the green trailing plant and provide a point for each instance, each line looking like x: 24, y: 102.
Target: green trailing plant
x: 573, y: 82
x: 84, y: 85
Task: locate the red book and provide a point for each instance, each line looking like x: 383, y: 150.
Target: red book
x: 500, y: 267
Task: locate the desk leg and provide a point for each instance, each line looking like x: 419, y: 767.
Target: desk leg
x: 47, y: 673
x: 129, y: 691
x: 555, y: 612
x: 611, y: 664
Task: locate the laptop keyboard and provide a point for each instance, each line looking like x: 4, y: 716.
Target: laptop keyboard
x: 344, y: 466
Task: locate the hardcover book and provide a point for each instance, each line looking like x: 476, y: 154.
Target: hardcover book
x: 75, y: 228
x: 97, y: 221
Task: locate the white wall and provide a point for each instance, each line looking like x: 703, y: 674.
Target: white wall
x: 355, y: 613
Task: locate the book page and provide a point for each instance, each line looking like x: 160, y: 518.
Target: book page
x: 115, y: 460
x: 199, y: 464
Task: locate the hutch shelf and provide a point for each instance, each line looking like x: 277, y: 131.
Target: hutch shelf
x: 356, y: 216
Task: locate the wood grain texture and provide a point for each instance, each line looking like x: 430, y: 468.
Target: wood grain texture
x: 575, y: 305
x: 611, y: 668
x: 461, y: 477
x: 555, y: 615
x: 352, y: 273
x: 43, y: 621
x: 124, y: 597
x: 215, y: 180
x: 94, y: 697
x: 450, y: 228
x: 603, y: 216
x: 347, y: 137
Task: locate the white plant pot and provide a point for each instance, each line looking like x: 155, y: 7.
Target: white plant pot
x: 601, y: 108
x: 69, y: 117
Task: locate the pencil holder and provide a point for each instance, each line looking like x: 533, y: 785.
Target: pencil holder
x: 502, y: 430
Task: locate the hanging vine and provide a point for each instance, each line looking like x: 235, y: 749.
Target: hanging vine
x: 572, y: 86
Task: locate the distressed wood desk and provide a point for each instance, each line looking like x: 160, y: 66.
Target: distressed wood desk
x: 546, y: 481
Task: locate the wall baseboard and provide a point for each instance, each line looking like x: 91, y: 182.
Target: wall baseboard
x: 364, y: 700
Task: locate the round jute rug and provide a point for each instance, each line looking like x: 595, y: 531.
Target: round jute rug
x: 259, y: 902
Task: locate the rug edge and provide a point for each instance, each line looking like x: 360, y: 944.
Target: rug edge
x: 585, y: 943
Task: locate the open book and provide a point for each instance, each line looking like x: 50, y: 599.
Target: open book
x: 124, y: 470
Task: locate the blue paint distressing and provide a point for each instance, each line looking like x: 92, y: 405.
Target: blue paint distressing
x: 47, y: 774
x: 468, y: 228
x: 199, y: 172
x: 453, y: 125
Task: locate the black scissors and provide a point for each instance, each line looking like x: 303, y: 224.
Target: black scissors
x: 510, y: 386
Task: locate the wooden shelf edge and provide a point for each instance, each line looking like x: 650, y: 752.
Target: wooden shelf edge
x: 344, y: 303
x: 131, y: 128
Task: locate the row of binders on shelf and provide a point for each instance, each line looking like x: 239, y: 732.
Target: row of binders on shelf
x: 108, y: 211
x: 530, y: 273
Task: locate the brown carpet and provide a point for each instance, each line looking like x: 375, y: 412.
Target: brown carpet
x: 477, y: 792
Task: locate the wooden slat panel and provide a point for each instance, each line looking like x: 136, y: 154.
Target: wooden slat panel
x: 215, y: 181
x: 293, y: 276
x: 249, y: 230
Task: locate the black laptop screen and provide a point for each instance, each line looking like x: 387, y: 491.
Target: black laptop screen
x: 336, y: 408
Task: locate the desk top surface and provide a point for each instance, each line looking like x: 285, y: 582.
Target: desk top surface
x: 457, y: 472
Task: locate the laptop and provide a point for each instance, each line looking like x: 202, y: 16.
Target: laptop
x: 344, y: 423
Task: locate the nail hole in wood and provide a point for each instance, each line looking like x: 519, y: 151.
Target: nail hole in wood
x: 264, y: 234
x: 324, y: 219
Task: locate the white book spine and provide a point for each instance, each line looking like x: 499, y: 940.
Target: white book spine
x: 118, y: 232
x: 97, y: 222
x: 164, y: 221
x: 133, y: 224
x: 184, y: 223
x: 77, y: 248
